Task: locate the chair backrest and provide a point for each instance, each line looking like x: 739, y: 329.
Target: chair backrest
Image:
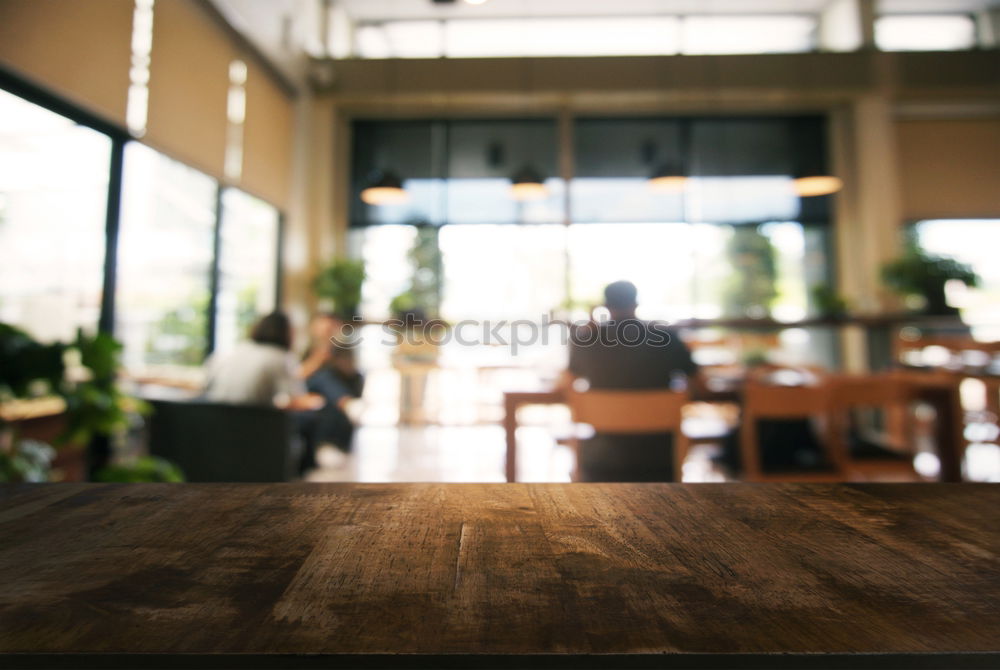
x: 869, y: 391
x: 632, y: 412
x: 629, y: 411
x: 889, y: 392
x: 766, y: 401
x: 784, y: 402
x: 213, y: 442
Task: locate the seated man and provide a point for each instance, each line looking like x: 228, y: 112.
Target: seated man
x: 627, y: 353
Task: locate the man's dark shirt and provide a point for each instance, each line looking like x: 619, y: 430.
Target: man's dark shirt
x: 629, y: 354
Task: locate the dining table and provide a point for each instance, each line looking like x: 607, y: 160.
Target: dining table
x: 301, y: 575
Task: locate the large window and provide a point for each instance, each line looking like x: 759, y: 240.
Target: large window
x: 732, y: 240
x: 457, y: 171
x: 385, y: 251
x: 53, y: 193
x: 503, y: 272
x: 682, y: 270
x: 690, y: 270
x: 739, y: 170
x: 974, y: 242
x: 247, y: 265
x: 165, y: 260
x: 178, y: 239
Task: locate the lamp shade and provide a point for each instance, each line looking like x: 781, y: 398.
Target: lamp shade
x: 385, y: 188
x: 670, y: 175
x: 809, y: 167
x: 668, y: 179
x: 818, y: 184
x: 528, y: 184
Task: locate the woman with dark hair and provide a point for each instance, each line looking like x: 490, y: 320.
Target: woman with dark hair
x: 261, y: 370
x: 274, y: 329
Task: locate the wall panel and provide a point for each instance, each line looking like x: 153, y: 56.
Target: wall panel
x: 949, y: 168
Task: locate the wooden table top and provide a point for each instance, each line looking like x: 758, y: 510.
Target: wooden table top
x: 453, y: 575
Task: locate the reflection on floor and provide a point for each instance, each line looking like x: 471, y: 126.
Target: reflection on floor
x: 462, y: 454
x: 476, y: 454
x: 442, y: 454
x: 464, y: 442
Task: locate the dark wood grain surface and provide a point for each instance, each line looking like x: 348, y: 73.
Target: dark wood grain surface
x: 657, y: 574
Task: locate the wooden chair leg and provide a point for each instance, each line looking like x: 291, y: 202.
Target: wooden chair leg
x: 682, y: 446
x: 574, y: 443
x: 835, y: 441
x: 897, y: 424
x: 750, y: 450
x: 993, y: 399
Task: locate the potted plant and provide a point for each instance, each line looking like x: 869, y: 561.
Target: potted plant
x: 917, y: 274
x: 83, y: 375
x: 751, y: 287
x: 424, y: 291
x: 338, y: 287
x: 829, y: 304
x: 97, y: 411
x: 142, y: 469
x: 27, y: 369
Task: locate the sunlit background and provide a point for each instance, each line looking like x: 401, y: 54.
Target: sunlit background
x: 199, y: 257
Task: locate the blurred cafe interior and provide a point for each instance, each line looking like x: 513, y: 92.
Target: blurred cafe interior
x: 368, y: 240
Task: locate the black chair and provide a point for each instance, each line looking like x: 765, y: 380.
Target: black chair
x: 214, y: 442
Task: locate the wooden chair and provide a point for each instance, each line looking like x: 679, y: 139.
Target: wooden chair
x: 941, y: 390
x: 891, y: 394
x: 766, y: 401
x: 965, y: 358
x: 631, y: 412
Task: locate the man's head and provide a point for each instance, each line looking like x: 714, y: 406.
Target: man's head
x: 619, y: 298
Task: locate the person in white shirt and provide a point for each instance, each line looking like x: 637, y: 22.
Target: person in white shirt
x: 261, y: 370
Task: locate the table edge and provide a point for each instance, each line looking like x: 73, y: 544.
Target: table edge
x: 638, y: 661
